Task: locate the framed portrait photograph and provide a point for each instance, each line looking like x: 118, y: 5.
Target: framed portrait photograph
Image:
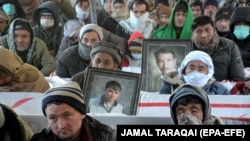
x: 161, y: 56
x: 109, y: 91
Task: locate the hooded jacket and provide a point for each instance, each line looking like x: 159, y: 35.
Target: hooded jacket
x: 53, y: 41
x: 12, y: 126
x: 185, y: 90
x: 168, y: 31
x: 25, y: 78
x: 19, y: 10
x: 241, y: 14
x: 37, y: 54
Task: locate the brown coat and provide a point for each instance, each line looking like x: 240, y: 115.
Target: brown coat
x: 25, y: 77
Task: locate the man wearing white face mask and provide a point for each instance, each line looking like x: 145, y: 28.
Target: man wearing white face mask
x: 82, y: 11
x: 197, y: 69
x: 48, y: 25
x: 240, y: 32
x: 138, y: 21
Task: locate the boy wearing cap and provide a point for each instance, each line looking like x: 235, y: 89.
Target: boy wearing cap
x: 222, y: 20
x: 65, y: 111
x: 134, y: 56
x: 197, y: 68
x: 189, y: 105
x: 32, y: 50
x: 104, y: 55
x: 210, y: 8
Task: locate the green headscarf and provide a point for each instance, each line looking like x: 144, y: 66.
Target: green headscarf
x: 169, y: 32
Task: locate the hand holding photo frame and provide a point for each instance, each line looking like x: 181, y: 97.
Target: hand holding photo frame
x: 109, y: 91
x: 161, y: 56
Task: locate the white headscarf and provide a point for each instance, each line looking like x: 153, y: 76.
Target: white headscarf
x: 200, y: 56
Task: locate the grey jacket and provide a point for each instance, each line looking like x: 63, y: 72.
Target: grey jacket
x: 37, y: 54
x: 228, y: 64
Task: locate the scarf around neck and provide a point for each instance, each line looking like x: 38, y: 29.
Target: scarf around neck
x: 211, y: 47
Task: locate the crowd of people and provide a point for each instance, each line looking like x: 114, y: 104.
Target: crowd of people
x: 66, y: 37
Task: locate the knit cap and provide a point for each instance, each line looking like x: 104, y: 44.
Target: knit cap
x: 22, y: 25
x: 163, y: 10
x: 134, y: 35
x: 135, y: 44
x: 72, y: 28
x: 224, y: 13
x: 69, y: 93
x: 210, y: 2
x: 89, y: 27
x: 103, y: 46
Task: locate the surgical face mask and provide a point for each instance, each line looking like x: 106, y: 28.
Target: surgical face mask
x: 241, y: 31
x: 136, y: 56
x: 47, y: 22
x: 9, y: 8
x: 196, y: 78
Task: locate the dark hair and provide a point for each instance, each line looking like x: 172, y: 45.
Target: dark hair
x: 138, y: 2
x: 80, y: 1
x: 163, y: 50
x: 201, y: 20
x: 197, y: 3
x: 113, y: 85
x: 182, y: 6
x: 187, y: 100
x: 118, y: 1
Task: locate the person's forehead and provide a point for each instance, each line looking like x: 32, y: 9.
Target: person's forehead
x: 197, y: 63
x: 139, y: 5
x: 203, y: 26
x: 166, y: 54
x: 104, y: 56
x: 21, y: 31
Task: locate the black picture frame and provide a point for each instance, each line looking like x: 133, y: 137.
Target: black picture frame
x: 95, y: 81
x: 150, y: 69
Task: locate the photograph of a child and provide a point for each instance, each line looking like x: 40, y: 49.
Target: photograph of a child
x: 112, y: 93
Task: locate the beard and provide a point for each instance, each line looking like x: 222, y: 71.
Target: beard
x: 18, y: 48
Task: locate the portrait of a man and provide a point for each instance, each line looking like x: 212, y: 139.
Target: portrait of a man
x: 166, y: 62
x: 161, y: 57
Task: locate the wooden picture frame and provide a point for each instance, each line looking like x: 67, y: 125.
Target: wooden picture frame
x: 151, y: 72
x: 95, y: 88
